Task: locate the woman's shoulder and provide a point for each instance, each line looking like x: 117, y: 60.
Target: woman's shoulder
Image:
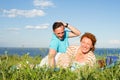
x: 91, y: 52
x: 73, y: 46
x: 91, y: 55
x: 71, y: 50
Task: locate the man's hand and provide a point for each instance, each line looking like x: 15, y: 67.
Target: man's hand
x: 65, y: 24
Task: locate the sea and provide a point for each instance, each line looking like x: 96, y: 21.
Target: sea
x: 44, y: 51
x: 21, y: 51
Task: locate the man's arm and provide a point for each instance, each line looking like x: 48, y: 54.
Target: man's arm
x: 74, y: 31
x: 51, y: 58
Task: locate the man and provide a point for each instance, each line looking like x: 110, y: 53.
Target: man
x: 59, y: 42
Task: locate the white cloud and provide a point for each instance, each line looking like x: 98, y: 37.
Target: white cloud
x: 43, y: 3
x: 114, y: 41
x: 13, y: 29
x: 43, y: 26
x: 25, y: 13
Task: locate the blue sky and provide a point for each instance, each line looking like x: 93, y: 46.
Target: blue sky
x: 29, y: 23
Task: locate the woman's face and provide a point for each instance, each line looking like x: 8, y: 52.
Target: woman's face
x: 86, y: 45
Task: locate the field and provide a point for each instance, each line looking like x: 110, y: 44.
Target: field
x: 15, y: 67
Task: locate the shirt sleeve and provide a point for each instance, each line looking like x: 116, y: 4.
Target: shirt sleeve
x: 54, y: 44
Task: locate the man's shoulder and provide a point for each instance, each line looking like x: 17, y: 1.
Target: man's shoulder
x: 54, y: 42
x: 54, y: 36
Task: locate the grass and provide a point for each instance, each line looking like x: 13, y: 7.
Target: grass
x: 15, y: 67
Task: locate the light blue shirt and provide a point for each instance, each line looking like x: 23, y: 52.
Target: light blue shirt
x: 60, y: 45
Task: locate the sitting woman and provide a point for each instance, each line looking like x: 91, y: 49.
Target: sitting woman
x: 80, y: 55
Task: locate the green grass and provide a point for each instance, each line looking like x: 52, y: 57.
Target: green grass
x: 15, y: 67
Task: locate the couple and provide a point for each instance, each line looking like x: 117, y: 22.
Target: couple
x: 63, y: 55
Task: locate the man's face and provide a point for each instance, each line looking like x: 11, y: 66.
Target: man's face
x: 59, y: 32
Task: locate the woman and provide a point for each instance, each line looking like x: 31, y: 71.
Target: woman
x: 80, y: 55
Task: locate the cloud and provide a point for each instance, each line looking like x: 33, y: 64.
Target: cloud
x: 43, y: 3
x: 13, y: 29
x: 43, y: 26
x: 114, y: 41
x: 25, y: 13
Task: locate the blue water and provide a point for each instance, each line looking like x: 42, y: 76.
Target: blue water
x: 107, y: 51
x: 21, y: 51
x: 44, y: 51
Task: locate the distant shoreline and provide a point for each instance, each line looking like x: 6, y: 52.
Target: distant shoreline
x: 44, y: 51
